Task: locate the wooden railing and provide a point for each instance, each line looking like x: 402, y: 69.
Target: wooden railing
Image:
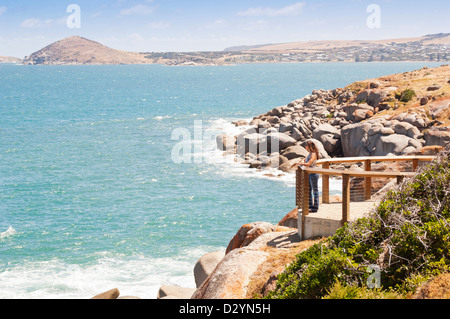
x: 302, y: 179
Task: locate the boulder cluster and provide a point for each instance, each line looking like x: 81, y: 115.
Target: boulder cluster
x: 348, y: 122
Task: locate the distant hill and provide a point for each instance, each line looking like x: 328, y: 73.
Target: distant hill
x: 78, y: 50
x: 246, y: 47
x: 314, y: 46
x: 9, y: 59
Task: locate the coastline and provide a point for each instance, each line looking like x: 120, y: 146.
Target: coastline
x: 255, y: 127
x: 245, y: 128
x: 239, y: 63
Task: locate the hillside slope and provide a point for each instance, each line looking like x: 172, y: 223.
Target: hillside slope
x: 78, y: 50
x: 312, y: 46
x: 9, y: 59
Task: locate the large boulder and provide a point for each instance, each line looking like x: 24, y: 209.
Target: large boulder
x: 436, y: 136
x: 248, y: 143
x: 439, y: 107
x: 291, y: 166
x: 295, y: 151
x: 353, y: 138
x: 296, y: 134
x: 206, y: 265
x: 110, y: 294
x: 358, y: 112
x: 325, y: 129
x: 407, y: 129
x: 373, y: 97
x: 371, y: 138
x: 248, y: 233
x: 175, y: 292
x: 232, y: 277
x: 413, y: 118
x: 393, y: 144
x: 290, y: 220
x: 225, y: 142
x: 322, y: 152
x: 276, y: 141
x: 330, y: 137
x: 303, y: 128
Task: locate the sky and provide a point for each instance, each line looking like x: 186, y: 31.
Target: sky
x: 210, y: 25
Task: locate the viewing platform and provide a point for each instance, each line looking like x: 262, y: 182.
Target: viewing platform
x: 358, y: 195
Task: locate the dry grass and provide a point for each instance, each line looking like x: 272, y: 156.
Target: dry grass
x: 419, y: 81
x: 437, y: 288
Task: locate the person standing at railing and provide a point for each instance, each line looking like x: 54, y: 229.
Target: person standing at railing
x: 310, y: 161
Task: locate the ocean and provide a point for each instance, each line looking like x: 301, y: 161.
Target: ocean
x: 92, y: 193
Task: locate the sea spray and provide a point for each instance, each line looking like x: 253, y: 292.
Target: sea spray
x: 8, y: 233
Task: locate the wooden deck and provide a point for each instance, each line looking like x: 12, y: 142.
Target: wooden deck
x: 340, y: 213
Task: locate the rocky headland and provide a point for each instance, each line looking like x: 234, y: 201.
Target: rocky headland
x: 9, y: 59
x: 400, y: 114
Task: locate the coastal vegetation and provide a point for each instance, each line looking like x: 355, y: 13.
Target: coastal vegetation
x: 407, y: 237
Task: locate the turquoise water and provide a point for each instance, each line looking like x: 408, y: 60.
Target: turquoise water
x: 90, y: 196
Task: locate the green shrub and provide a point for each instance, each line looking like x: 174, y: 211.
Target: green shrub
x: 407, y: 95
x: 340, y: 291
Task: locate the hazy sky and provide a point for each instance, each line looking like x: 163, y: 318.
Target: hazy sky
x: 210, y: 25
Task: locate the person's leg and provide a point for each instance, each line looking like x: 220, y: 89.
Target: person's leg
x: 314, y: 199
x: 310, y: 194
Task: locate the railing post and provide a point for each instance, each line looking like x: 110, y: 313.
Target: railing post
x: 305, y: 202
x: 367, y: 180
x: 326, y: 185
x: 299, y: 187
x: 345, y: 198
x: 302, y: 198
x: 415, y: 164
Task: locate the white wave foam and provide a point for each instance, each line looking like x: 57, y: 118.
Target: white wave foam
x: 160, y: 118
x: 134, y: 276
x: 10, y: 232
x: 230, y: 165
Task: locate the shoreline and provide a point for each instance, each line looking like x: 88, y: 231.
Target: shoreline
x: 231, y: 64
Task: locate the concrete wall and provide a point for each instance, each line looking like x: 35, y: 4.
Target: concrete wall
x: 318, y: 227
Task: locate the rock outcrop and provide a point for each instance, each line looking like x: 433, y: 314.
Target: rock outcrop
x: 392, y: 115
x: 206, y: 265
x: 112, y: 294
x: 234, y: 275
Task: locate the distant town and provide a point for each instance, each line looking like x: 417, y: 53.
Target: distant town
x: 365, y: 52
x: 78, y: 50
